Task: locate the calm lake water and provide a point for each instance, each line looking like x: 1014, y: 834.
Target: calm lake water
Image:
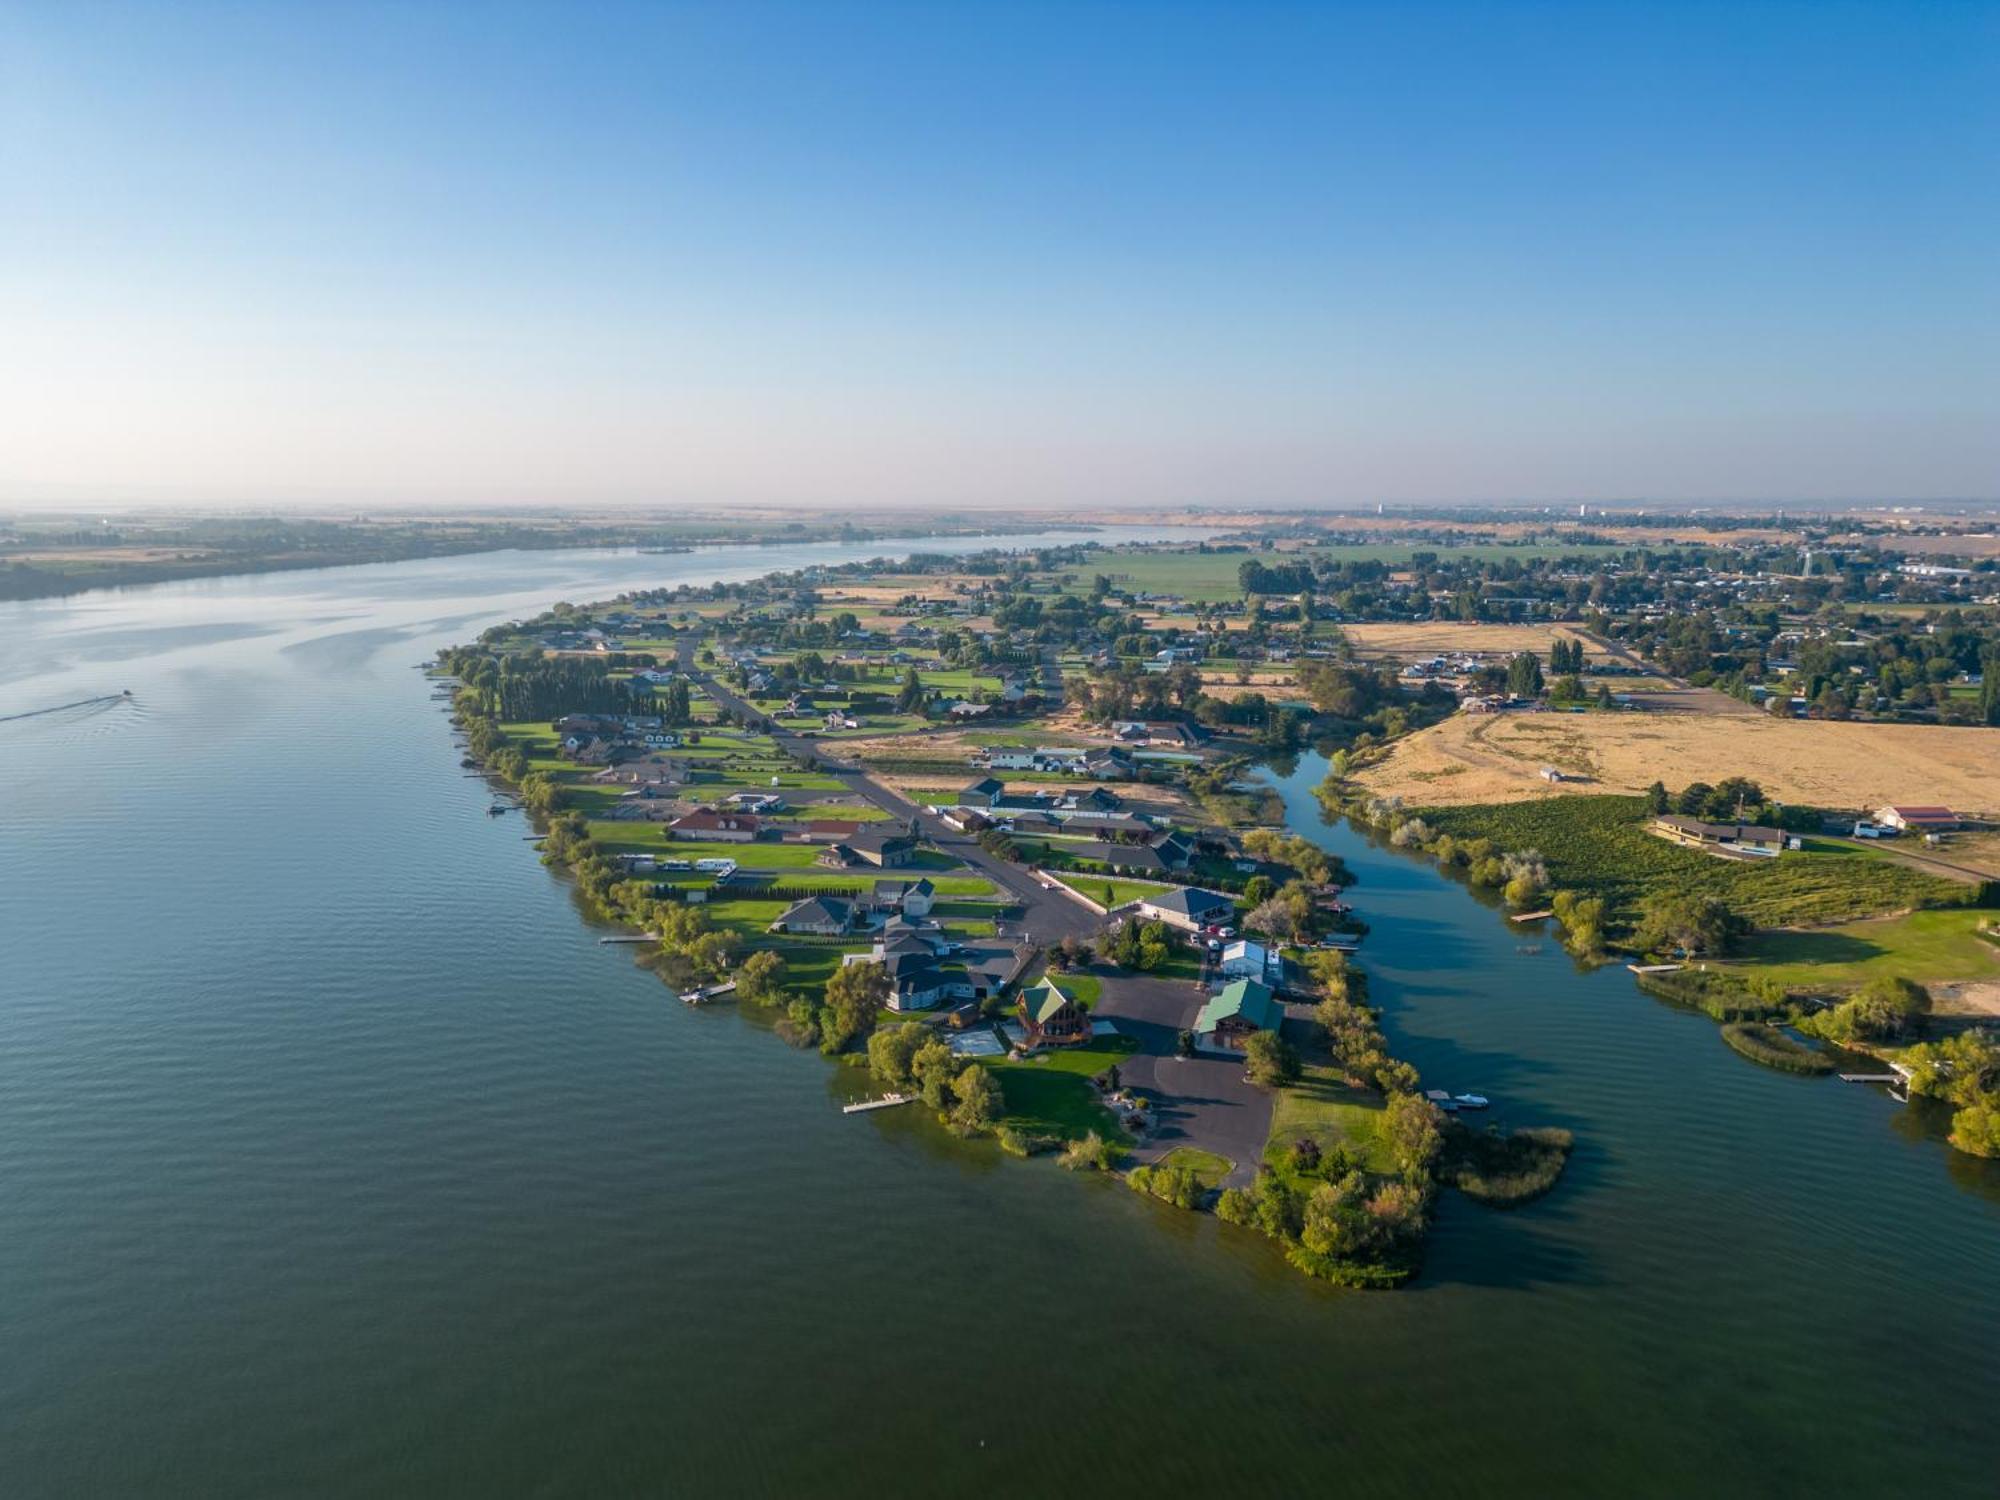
x: 336, y: 1157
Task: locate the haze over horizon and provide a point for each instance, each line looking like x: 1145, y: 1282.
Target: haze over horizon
x: 1086, y: 256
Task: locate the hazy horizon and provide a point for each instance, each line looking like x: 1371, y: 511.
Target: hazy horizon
x: 1080, y: 257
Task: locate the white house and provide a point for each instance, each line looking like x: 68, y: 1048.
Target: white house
x: 1244, y: 959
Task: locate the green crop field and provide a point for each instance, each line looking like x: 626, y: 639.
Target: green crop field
x: 1600, y: 845
x: 1213, y: 576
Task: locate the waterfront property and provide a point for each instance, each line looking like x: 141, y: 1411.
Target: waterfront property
x: 1050, y: 1018
x: 1187, y: 907
x: 1237, y: 1011
x: 1730, y: 838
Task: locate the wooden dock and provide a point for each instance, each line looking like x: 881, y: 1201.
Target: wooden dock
x: 887, y: 1101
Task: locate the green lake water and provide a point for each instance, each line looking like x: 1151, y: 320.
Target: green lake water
x: 337, y: 1157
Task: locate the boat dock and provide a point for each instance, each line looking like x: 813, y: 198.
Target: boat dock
x: 887, y: 1101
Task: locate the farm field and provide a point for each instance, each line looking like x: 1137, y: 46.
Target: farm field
x: 1600, y: 845
x: 1375, y: 640
x: 1212, y: 577
x: 1497, y: 758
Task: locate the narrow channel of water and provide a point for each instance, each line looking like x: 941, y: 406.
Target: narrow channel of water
x: 337, y: 1157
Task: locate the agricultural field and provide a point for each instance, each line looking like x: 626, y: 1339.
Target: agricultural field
x: 1481, y: 758
x: 1415, y: 641
x: 1212, y: 577
x: 1600, y: 845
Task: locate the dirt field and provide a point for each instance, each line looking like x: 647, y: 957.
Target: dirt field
x: 1498, y: 758
x: 1374, y: 641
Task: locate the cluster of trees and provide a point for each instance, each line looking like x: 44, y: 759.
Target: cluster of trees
x: 1519, y: 877
x: 1687, y: 923
x: 517, y: 688
x: 1282, y: 578
x: 844, y: 1013
x: 1964, y: 1071
x: 1888, y: 1008
x: 1733, y: 799
x: 913, y: 1056
x: 1136, y: 945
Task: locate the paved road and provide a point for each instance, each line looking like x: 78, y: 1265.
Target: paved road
x: 1046, y: 915
x: 1204, y: 1102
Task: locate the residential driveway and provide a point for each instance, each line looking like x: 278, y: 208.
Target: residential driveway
x: 1203, y: 1101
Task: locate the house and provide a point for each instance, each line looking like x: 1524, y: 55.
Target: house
x: 1737, y: 838
x: 1908, y: 819
x: 985, y: 792
x: 1234, y: 1013
x: 826, y: 830
x: 871, y: 845
x: 927, y: 969
x: 911, y: 898
x: 1244, y: 959
x: 1143, y: 858
x: 1187, y: 907
x: 1051, y: 1018
x: 714, y: 826
x: 817, y: 916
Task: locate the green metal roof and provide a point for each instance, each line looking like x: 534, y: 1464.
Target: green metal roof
x: 1246, y: 998
x: 1043, y: 1002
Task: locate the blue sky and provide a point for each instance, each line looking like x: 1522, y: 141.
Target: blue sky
x: 1047, y: 255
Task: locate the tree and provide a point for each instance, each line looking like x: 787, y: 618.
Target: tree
x: 762, y: 978
x: 892, y: 1052
x: 1270, y: 1060
x: 854, y: 992
x: 978, y: 1101
x: 1524, y: 675
x: 1413, y: 1127
x: 1687, y: 923
x: 931, y: 1065
x: 1887, y: 1008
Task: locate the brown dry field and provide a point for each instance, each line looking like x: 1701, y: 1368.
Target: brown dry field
x: 1498, y: 757
x: 1407, y: 642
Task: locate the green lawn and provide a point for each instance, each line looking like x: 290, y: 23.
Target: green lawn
x: 1927, y: 946
x: 1120, y: 890
x: 1051, y: 1095
x: 1324, y: 1107
x: 1208, y: 1168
